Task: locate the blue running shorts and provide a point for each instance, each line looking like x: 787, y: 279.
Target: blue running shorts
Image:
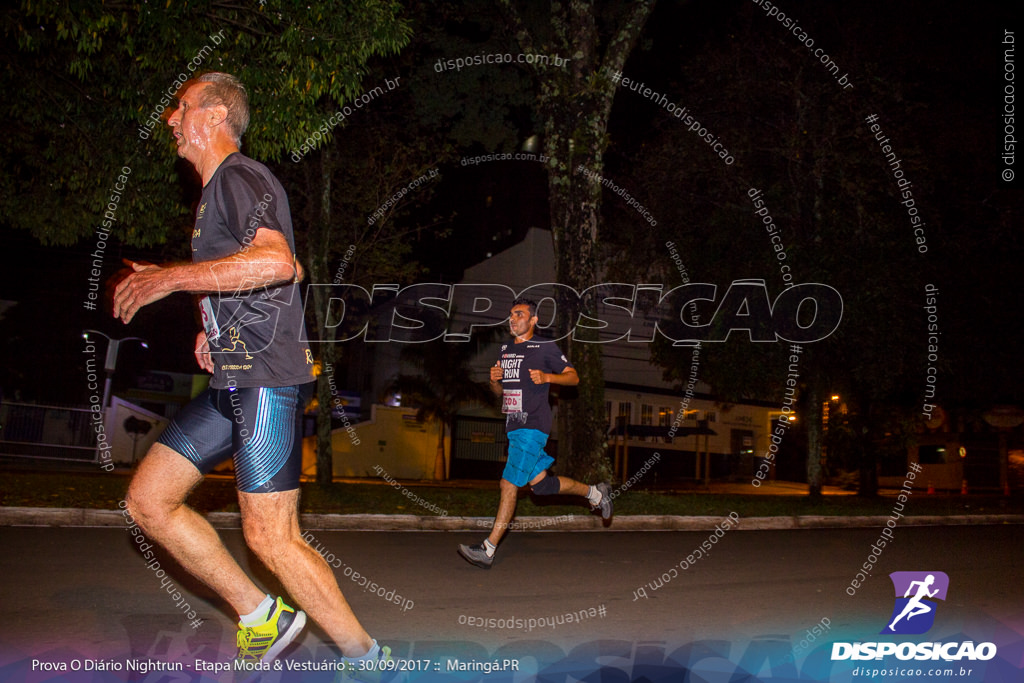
x: 526, y: 456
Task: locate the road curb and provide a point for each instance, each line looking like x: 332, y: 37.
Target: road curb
x: 80, y: 517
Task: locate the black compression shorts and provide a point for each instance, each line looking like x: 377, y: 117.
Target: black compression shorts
x: 260, y: 428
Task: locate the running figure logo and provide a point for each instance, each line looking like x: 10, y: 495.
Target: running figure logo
x: 914, y: 612
x: 235, y: 341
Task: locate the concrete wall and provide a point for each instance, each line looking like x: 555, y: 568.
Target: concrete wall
x: 390, y: 443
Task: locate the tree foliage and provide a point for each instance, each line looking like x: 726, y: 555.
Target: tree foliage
x: 90, y: 75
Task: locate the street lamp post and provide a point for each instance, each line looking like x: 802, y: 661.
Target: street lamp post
x: 110, y: 363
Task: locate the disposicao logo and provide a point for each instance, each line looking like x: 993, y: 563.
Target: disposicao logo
x: 916, y: 593
x: 912, y: 614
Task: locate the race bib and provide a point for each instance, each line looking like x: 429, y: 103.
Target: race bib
x: 209, y: 320
x: 512, y: 401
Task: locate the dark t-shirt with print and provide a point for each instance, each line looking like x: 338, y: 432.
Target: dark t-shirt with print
x: 525, y: 403
x: 254, y: 330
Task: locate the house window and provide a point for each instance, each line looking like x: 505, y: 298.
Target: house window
x: 625, y: 413
x: 647, y: 418
x: 665, y: 420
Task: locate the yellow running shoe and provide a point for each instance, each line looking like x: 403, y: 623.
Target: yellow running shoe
x: 267, y: 640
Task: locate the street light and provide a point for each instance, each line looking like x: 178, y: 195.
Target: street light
x: 110, y: 364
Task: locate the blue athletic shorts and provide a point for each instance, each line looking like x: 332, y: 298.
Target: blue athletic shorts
x: 526, y: 456
x: 259, y: 427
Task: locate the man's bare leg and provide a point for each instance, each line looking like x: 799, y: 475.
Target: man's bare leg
x: 271, y: 525
x: 506, y: 508
x: 595, y: 495
x: 571, y: 487
x: 509, y: 493
x: 156, y: 499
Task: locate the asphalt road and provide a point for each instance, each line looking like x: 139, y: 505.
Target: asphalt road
x: 87, y: 593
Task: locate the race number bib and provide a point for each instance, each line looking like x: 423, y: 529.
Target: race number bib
x: 512, y: 401
x: 209, y: 320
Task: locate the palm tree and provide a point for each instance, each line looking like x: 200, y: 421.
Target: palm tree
x: 443, y: 384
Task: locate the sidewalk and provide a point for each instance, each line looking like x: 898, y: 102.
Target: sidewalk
x: 79, y: 517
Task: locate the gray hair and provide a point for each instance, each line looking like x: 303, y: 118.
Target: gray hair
x: 226, y: 90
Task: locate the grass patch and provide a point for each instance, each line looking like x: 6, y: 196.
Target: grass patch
x: 105, y: 491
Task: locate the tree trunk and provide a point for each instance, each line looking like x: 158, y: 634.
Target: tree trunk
x: 319, y: 249
x: 575, y: 216
x: 814, y: 429
x: 324, y: 445
x: 868, y: 483
x: 867, y: 487
x: 439, y: 458
x: 575, y: 104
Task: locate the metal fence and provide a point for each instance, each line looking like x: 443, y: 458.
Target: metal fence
x: 35, y: 431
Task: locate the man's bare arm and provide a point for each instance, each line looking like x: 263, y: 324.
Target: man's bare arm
x: 567, y: 377
x: 267, y: 262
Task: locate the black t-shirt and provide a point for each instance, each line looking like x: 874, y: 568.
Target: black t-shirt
x: 525, y: 403
x: 257, y: 328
